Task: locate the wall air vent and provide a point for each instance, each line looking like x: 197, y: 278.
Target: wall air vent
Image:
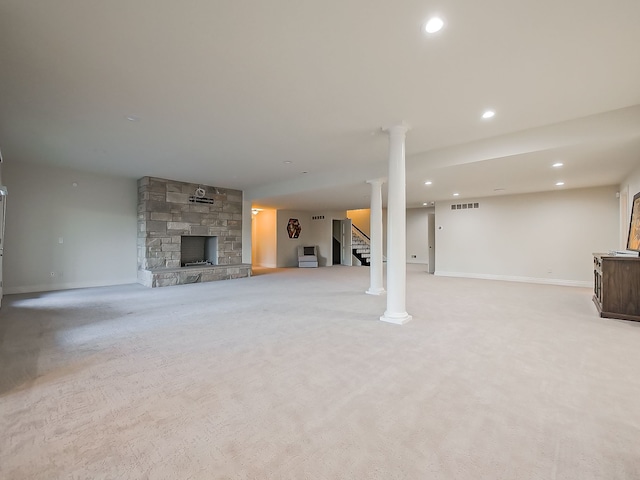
x: 464, y: 206
x: 317, y: 217
x: 194, y: 199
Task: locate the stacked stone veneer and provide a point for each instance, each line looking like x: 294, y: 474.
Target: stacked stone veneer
x: 165, y: 215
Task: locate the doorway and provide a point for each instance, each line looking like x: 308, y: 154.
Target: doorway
x: 341, y: 253
x: 336, y: 247
x: 431, y: 241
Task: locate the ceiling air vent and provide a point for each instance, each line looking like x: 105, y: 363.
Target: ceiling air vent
x: 464, y: 206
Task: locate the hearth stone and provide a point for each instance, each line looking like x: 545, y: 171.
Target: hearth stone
x: 164, y: 277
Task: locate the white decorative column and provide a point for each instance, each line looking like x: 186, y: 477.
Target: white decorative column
x: 375, y: 269
x: 396, y: 229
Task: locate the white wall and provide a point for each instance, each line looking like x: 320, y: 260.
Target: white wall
x: 322, y: 234
x: 545, y: 237
x: 361, y: 219
x: 96, y: 221
x: 264, y: 239
x: 272, y: 246
x: 2, y: 203
x: 416, y: 231
x: 633, y: 181
x: 288, y: 247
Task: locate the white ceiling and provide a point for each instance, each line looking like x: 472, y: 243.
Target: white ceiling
x: 227, y: 91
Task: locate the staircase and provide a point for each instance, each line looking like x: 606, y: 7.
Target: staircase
x: 361, y: 246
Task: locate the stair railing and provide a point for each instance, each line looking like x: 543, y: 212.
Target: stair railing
x: 360, y: 234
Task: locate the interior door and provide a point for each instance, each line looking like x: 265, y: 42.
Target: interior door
x: 431, y: 240
x: 345, y: 240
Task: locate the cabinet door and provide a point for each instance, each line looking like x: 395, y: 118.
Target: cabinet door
x: 621, y: 284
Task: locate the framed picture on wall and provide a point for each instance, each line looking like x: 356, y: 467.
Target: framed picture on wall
x: 294, y: 228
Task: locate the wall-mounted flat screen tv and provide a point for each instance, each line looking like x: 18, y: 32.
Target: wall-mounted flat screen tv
x: 633, y: 241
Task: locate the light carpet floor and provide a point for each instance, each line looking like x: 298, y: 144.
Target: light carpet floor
x: 290, y: 375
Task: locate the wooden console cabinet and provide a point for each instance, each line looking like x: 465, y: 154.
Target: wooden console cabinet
x: 617, y: 286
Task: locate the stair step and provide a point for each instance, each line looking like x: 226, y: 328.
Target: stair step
x: 361, y: 248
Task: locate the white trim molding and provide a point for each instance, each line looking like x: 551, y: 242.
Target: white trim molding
x: 64, y: 286
x: 511, y: 278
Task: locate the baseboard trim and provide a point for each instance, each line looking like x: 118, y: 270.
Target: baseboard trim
x: 63, y: 286
x: 511, y: 278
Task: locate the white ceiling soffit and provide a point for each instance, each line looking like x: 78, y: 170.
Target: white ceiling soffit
x: 596, y: 150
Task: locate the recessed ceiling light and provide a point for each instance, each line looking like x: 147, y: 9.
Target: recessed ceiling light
x: 456, y: 194
x: 499, y: 189
x: 433, y: 25
x: 488, y: 114
x: 559, y: 184
x: 133, y: 118
x: 287, y: 162
x: 428, y: 182
x: 425, y: 204
x: 557, y: 164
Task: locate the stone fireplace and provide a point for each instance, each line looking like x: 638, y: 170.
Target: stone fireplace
x: 188, y: 233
